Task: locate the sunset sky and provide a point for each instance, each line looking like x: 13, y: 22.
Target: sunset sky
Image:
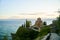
x: 21, y: 9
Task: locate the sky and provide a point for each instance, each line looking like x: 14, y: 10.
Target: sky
x: 22, y: 9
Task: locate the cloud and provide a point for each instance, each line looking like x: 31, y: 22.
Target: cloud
x: 4, y: 17
x: 37, y: 13
x: 32, y: 15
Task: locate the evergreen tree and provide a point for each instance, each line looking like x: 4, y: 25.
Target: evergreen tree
x: 44, y: 23
x: 5, y: 38
x: 28, y: 23
x: 56, y: 23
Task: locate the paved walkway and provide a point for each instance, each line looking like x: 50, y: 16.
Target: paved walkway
x: 53, y: 36
x: 45, y: 37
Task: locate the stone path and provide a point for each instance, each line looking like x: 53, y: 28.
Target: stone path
x: 53, y: 36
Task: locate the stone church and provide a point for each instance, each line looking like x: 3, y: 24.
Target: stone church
x: 38, y: 24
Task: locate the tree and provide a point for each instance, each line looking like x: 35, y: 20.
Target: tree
x: 45, y: 30
x: 5, y: 38
x: 25, y: 34
x: 56, y: 23
x: 28, y: 23
x: 44, y: 23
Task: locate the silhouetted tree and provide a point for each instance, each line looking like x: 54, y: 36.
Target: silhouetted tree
x: 25, y: 34
x: 56, y: 23
x: 45, y: 30
x: 5, y: 38
x: 44, y: 23
x: 28, y: 23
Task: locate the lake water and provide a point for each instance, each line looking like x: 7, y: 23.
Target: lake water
x: 8, y: 26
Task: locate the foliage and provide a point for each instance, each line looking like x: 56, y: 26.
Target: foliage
x: 45, y: 30
x: 44, y: 23
x: 56, y: 23
x: 28, y: 23
x: 5, y: 38
x: 25, y: 34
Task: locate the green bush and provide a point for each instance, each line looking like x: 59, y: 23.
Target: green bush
x: 44, y: 23
x: 28, y: 23
x: 25, y: 34
x: 5, y: 38
x: 44, y: 31
x: 56, y: 23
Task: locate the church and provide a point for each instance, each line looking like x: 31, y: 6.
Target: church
x: 38, y: 24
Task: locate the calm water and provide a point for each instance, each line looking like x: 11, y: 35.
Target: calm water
x: 10, y: 26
